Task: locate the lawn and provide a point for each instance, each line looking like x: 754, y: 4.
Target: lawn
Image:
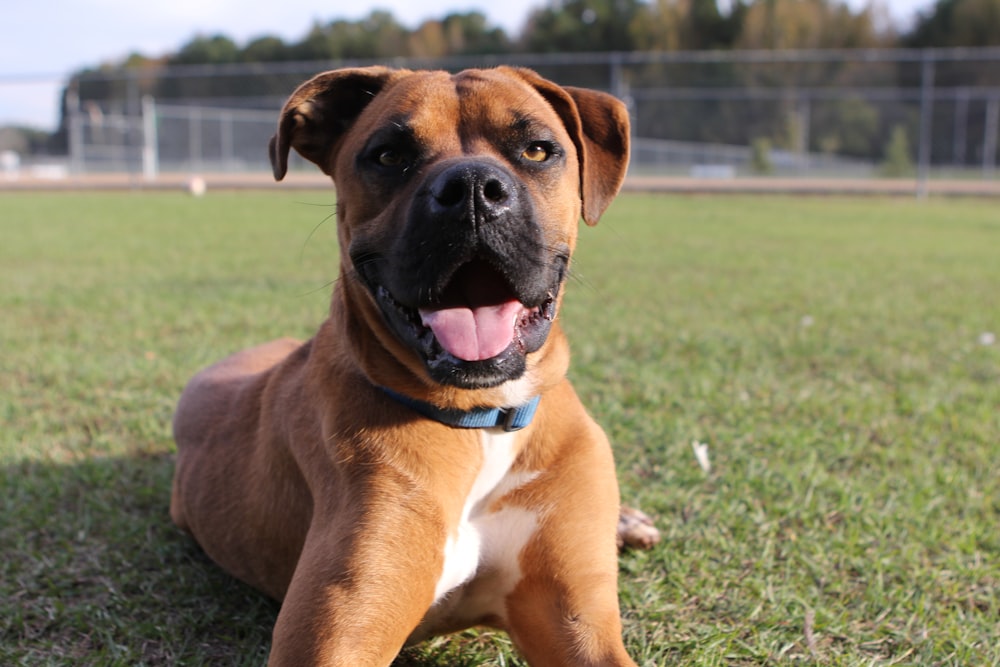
x: 833, y: 355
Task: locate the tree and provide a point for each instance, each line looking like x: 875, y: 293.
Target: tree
x: 957, y: 23
x: 582, y: 25
x: 709, y: 29
x: 846, y: 126
x: 760, y: 156
x: 659, y: 25
x: 458, y: 34
x: 470, y: 34
x: 378, y: 35
x: 202, y: 50
x: 23, y: 140
x: 429, y: 40
x: 808, y: 24
x: 265, y: 49
x: 897, y: 162
x: 668, y: 25
x: 311, y: 47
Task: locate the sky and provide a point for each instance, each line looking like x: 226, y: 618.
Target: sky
x: 43, y: 41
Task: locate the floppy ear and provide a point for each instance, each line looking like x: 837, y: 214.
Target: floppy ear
x: 320, y: 111
x: 599, y: 126
x: 605, y: 141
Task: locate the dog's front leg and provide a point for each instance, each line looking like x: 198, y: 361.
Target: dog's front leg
x: 567, y: 617
x: 564, y: 611
x: 360, y: 587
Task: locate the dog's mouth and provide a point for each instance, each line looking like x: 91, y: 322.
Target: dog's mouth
x: 479, y: 316
x: 477, y: 331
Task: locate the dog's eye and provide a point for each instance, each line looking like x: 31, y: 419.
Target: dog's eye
x: 391, y: 158
x: 537, y: 152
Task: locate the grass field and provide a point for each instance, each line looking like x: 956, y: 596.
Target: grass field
x: 831, y: 353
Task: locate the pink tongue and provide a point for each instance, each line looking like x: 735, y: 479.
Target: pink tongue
x: 474, y: 333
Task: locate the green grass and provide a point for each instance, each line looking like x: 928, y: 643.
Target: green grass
x: 826, y: 350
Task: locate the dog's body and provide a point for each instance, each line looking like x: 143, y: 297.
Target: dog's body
x: 333, y: 475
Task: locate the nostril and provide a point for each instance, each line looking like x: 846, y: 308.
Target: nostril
x: 494, y: 191
x: 477, y: 189
x: 452, y: 193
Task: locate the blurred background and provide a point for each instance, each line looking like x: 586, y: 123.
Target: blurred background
x: 816, y: 89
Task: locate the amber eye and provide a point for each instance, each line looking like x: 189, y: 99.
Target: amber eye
x: 536, y: 152
x: 391, y: 158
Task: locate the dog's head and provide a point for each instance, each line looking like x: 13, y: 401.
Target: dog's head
x: 458, y: 200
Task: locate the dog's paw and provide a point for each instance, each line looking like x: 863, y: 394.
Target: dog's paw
x: 636, y: 530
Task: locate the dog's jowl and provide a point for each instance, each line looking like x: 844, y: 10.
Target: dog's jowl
x: 422, y: 465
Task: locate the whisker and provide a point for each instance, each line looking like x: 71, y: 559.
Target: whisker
x: 302, y: 250
x: 579, y: 279
x: 319, y: 289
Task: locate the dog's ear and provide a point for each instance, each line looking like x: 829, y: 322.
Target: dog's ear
x: 320, y: 111
x: 599, y: 126
x: 605, y: 139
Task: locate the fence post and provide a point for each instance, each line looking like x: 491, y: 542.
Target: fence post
x: 74, y: 131
x: 990, y: 137
x: 802, y: 139
x: 194, y: 138
x: 132, y: 125
x: 150, y: 145
x: 618, y: 85
x: 227, y: 160
x: 926, y: 116
x: 959, y: 138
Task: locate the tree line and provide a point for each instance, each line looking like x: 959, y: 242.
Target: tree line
x: 612, y: 25
x: 622, y: 25
x: 559, y: 26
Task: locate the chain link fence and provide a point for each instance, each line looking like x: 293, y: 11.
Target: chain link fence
x: 859, y: 114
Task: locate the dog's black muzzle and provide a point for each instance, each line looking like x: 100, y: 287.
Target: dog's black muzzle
x: 471, y: 283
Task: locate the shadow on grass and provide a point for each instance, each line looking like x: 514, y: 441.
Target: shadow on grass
x: 94, y: 572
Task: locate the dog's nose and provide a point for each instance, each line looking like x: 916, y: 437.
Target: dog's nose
x: 478, y: 190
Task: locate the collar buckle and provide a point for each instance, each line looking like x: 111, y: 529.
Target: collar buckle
x: 510, y: 421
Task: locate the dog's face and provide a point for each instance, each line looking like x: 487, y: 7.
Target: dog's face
x: 458, y: 199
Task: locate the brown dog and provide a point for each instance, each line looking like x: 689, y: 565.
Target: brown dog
x: 386, y: 479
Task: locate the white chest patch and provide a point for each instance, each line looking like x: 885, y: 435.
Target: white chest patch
x: 483, y: 539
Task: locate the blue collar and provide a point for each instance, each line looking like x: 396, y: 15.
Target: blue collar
x: 510, y: 419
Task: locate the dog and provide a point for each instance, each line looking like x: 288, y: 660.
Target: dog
x: 422, y: 464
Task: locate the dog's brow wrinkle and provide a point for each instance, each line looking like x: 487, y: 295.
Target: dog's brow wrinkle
x: 520, y: 122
